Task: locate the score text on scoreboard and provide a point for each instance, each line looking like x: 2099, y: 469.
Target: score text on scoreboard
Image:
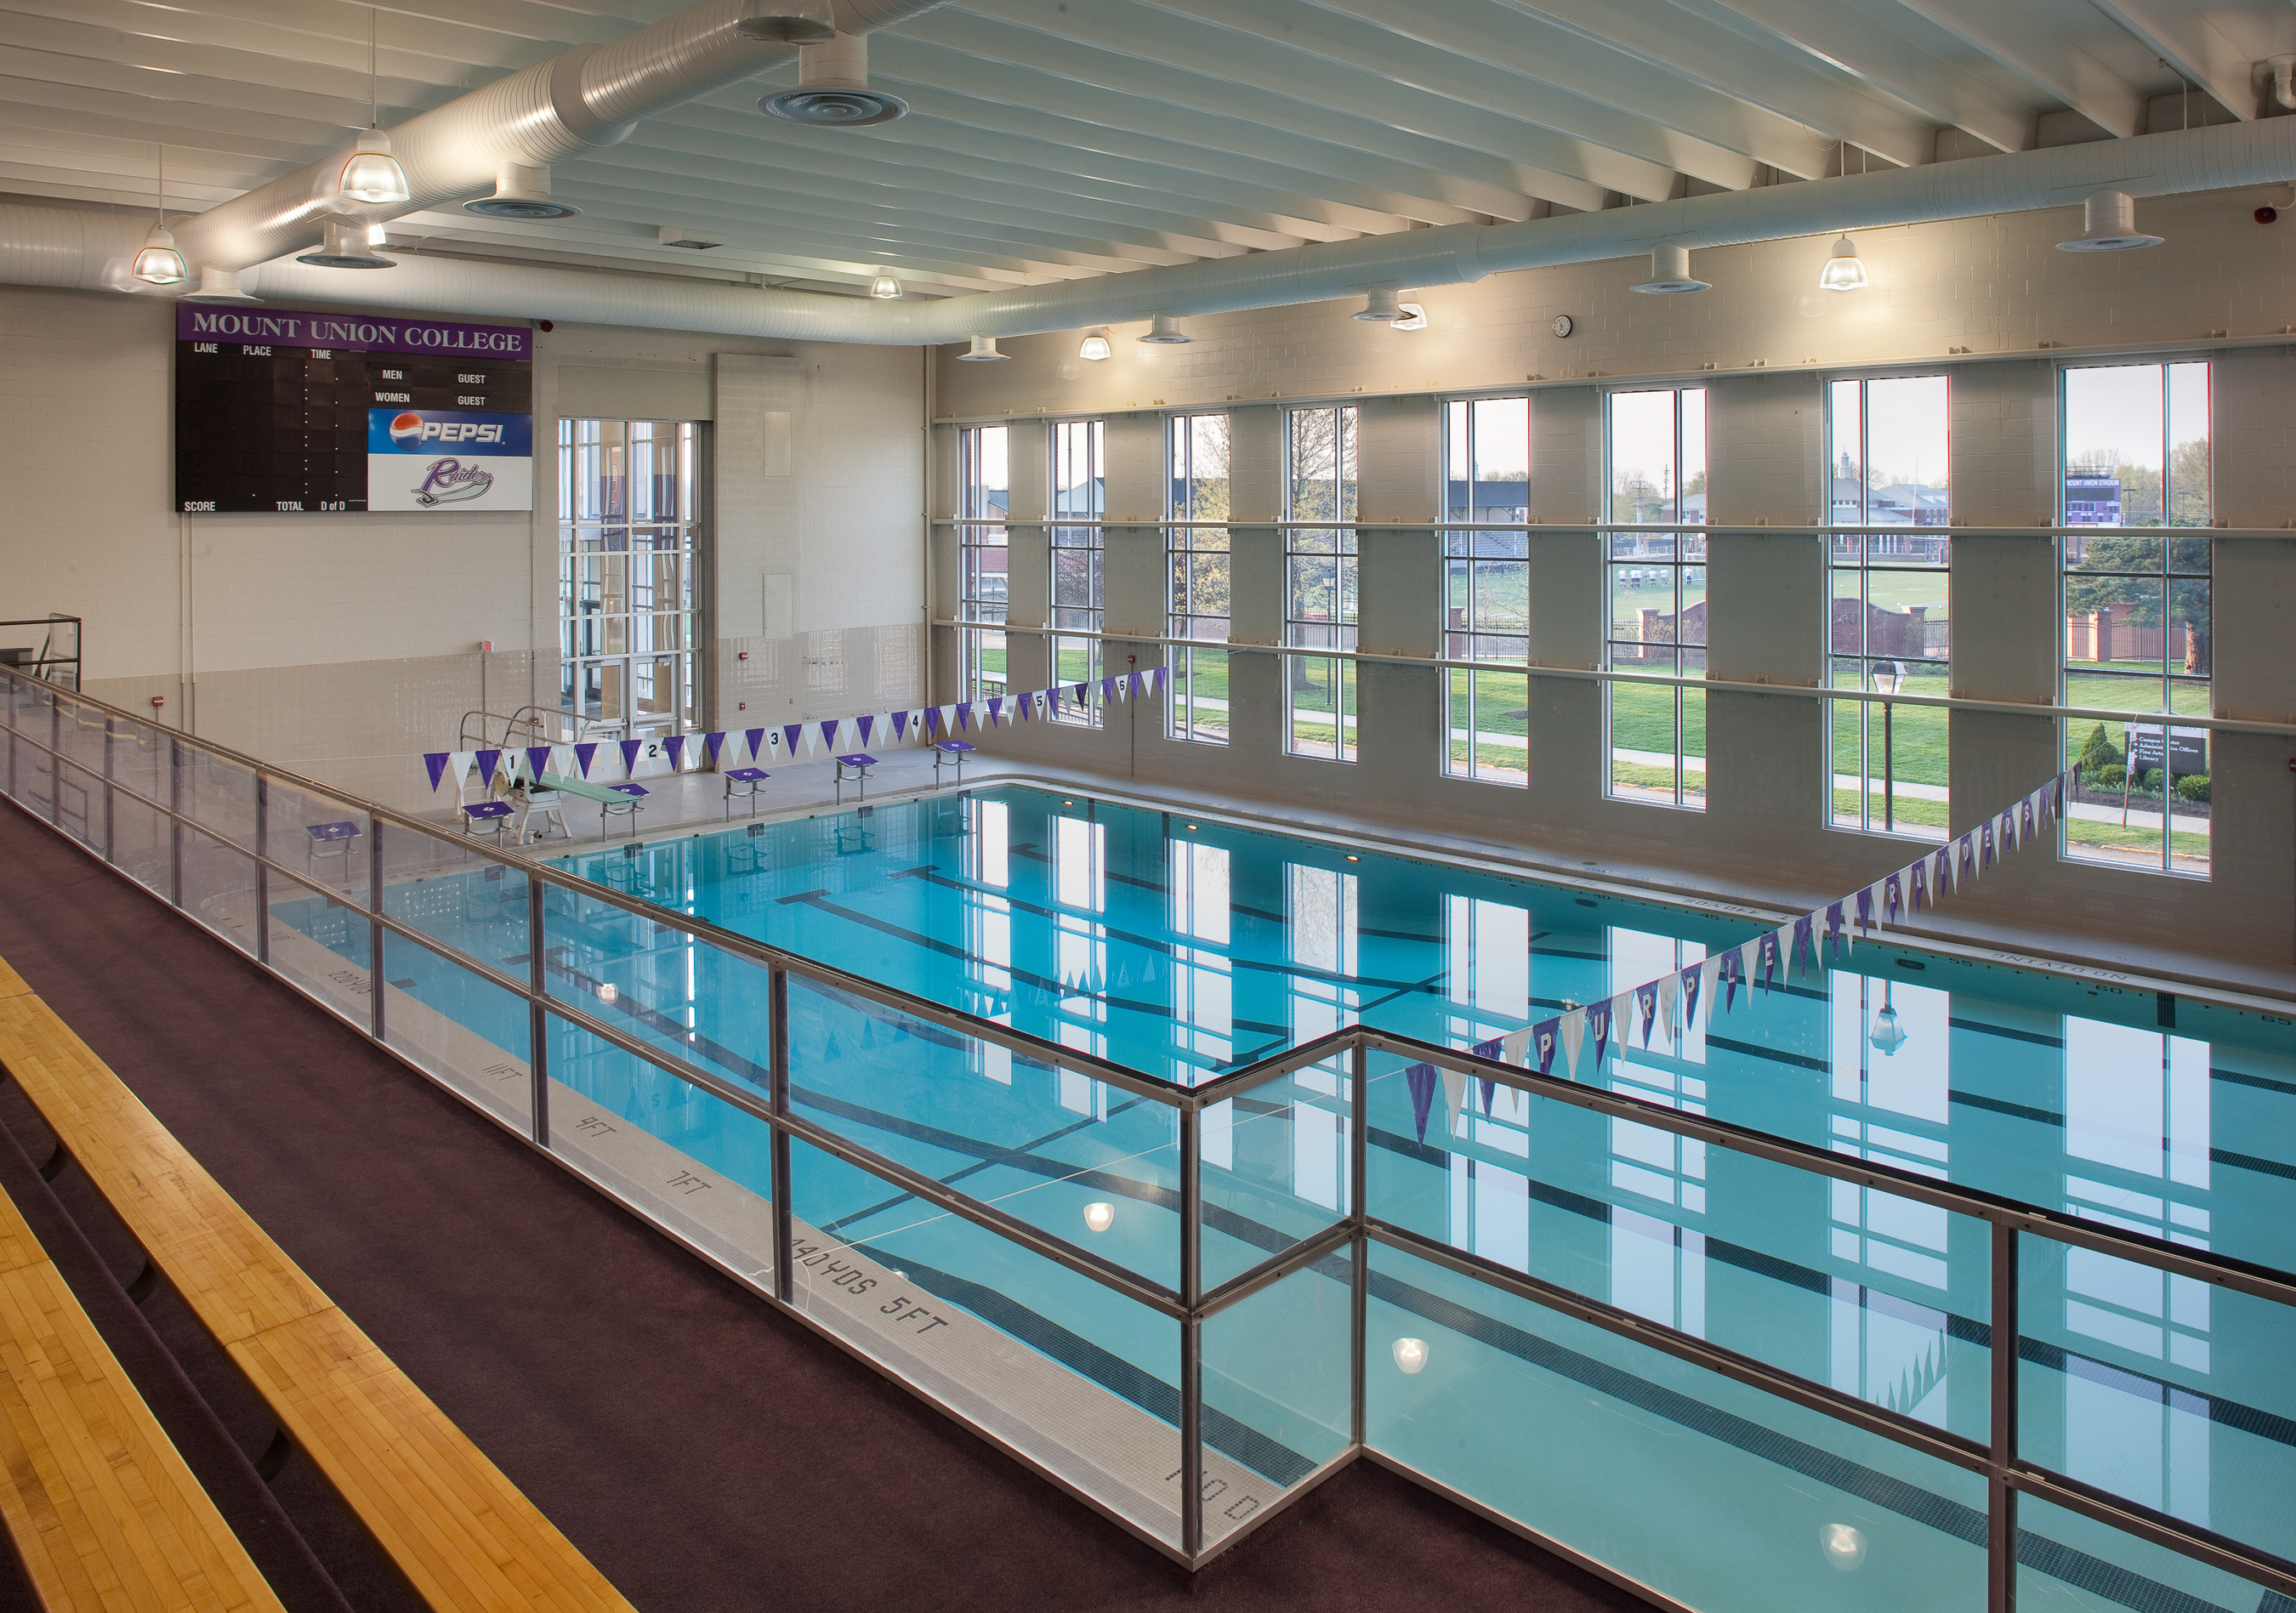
x: 279, y: 409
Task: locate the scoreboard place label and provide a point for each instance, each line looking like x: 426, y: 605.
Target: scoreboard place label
x: 282, y: 409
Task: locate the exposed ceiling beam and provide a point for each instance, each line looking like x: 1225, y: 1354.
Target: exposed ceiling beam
x: 2184, y: 37
x: 1680, y: 43
x: 1848, y: 40
x: 2020, y: 39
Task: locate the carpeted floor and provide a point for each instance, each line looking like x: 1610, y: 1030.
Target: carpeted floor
x: 706, y: 1452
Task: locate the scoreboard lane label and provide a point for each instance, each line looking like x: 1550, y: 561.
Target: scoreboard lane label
x: 283, y: 409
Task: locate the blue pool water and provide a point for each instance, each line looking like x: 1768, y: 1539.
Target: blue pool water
x: 1183, y: 947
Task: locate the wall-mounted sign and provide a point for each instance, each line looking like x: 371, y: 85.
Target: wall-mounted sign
x: 281, y: 409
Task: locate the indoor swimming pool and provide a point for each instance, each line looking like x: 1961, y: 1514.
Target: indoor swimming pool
x: 1185, y: 947
x: 1003, y: 1101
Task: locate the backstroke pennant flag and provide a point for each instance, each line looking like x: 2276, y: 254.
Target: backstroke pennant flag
x: 1805, y: 936
x: 1420, y: 1079
x: 1572, y: 1031
x: 1766, y: 948
x: 630, y: 748
x: 996, y: 709
x: 487, y: 761
x: 711, y: 744
x: 1544, y: 1036
x: 829, y: 734
x: 1454, y: 1093
x: 1669, y: 987
x: 1733, y: 975
x: 583, y: 754
x: 757, y: 738
x: 1159, y: 681
x: 435, y: 761
x: 538, y: 758
x: 792, y: 733
x: 1693, y: 978
x: 1598, y: 1020
x: 900, y: 724
x: 1646, y: 1007
x: 676, y: 746
x: 867, y: 725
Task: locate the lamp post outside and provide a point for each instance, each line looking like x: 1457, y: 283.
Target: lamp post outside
x: 1887, y: 676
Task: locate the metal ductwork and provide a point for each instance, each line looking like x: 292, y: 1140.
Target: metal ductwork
x: 579, y: 99
x: 55, y: 246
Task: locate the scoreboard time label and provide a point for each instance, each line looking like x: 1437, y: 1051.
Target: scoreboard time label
x: 278, y: 409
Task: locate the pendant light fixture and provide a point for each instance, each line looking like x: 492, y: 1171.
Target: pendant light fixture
x: 1095, y: 346
x: 371, y: 174
x: 1845, y: 271
x: 158, y: 263
x: 1410, y: 316
x: 884, y: 288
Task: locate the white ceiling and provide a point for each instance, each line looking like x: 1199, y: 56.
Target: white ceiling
x: 1053, y: 139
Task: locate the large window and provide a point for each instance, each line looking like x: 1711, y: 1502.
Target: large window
x: 1319, y: 609
x: 1079, y: 599
x: 983, y: 582
x: 1888, y: 629
x: 626, y: 577
x: 1657, y: 587
x: 2136, y: 623
x: 1199, y: 559
x: 1487, y: 590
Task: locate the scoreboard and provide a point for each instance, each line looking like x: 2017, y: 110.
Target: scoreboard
x: 278, y: 409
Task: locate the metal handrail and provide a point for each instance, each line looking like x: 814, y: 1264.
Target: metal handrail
x: 2006, y: 1474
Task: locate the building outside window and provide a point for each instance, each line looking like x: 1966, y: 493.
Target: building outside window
x: 2137, y: 628
x: 1319, y: 545
x: 1888, y: 629
x: 1487, y: 591
x: 1198, y: 556
x: 1078, y: 574
x: 626, y: 577
x: 983, y: 578
x: 1656, y: 461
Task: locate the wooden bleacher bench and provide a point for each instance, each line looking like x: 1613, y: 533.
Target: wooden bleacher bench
x: 457, y: 1529
x: 104, y: 1513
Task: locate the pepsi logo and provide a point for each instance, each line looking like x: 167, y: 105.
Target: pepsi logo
x: 407, y: 431
x: 411, y: 433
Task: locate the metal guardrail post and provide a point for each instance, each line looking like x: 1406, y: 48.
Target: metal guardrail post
x: 2001, y: 1495
x: 784, y: 1214
x: 176, y: 821
x: 376, y: 932
x: 262, y: 869
x: 537, y: 1036
x: 1191, y: 1333
x: 1359, y: 1251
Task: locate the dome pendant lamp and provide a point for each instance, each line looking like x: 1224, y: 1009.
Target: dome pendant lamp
x: 885, y: 287
x: 1845, y: 271
x: 1095, y: 346
x: 158, y: 263
x: 372, y: 175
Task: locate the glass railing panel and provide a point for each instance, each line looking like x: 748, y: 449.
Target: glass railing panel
x: 1278, y: 1163
x: 683, y: 1155
x: 1070, y: 1373
x: 1277, y: 1370
x: 692, y: 998
x: 218, y: 795
x: 2068, y: 1563
x: 218, y: 886
x: 1704, y: 1489
x: 1091, y: 1164
x: 325, y: 838
x: 80, y: 730
x: 32, y: 771
x: 1866, y: 1291
x: 2172, y: 1392
x: 323, y: 943
x: 79, y: 805
x: 143, y: 846
x: 458, y: 895
x: 141, y: 755
x: 459, y: 1027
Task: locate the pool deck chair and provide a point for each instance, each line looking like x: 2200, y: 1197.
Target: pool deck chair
x: 860, y: 764
x: 742, y: 785
x: 494, y: 815
x: 950, y: 750
x: 614, y: 799
x: 332, y: 841
x: 548, y: 803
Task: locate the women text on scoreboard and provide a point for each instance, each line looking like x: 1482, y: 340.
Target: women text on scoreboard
x: 281, y: 409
